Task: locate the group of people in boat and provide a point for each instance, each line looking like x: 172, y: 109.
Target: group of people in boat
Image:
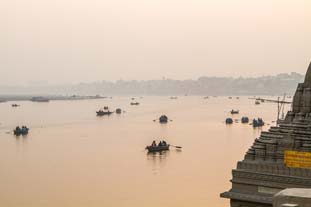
x: 161, y: 144
x: 21, y: 130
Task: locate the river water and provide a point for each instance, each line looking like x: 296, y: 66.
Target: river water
x: 71, y: 158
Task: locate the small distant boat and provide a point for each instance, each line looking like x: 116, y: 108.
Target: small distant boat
x: 237, y: 97
x: 244, y: 119
x: 39, y: 99
x: 103, y: 112
x: 258, y: 122
x: 163, y: 119
x: 230, y: 97
x: 118, y: 111
x: 229, y: 121
x: 257, y: 102
x: 134, y: 103
x: 206, y: 97
x: 15, y: 105
x: 162, y: 146
x: 158, y: 148
x: 234, y: 111
x: 173, y: 97
x: 21, y: 130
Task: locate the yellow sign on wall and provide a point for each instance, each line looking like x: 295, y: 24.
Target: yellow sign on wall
x: 297, y: 159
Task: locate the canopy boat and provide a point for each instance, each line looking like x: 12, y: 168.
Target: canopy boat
x: 102, y: 112
x: 229, y: 121
x: 244, y: 119
x: 157, y: 148
x: 21, y: 131
x: 163, y: 119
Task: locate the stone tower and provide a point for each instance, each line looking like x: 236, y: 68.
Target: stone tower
x: 280, y: 158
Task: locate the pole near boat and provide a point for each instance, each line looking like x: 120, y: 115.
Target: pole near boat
x: 179, y: 147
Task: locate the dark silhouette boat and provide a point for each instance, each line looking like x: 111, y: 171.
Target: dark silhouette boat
x: 258, y: 122
x: 134, y: 103
x: 15, y: 105
x: 157, y: 148
x: 21, y: 130
x: 103, y: 112
x: 118, y: 111
x: 229, y: 121
x: 163, y: 119
x: 234, y: 111
x: 244, y: 119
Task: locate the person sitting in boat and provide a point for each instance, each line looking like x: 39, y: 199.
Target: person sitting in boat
x: 17, y: 128
x: 164, y: 143
x: 160, y: 144
x: 154, y: 143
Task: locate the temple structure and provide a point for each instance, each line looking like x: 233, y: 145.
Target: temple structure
x: 280, y: 158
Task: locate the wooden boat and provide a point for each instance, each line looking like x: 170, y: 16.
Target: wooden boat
x: 234, y: 111
x: 158, y: 148
x: 21, y: 131
x: 102, y: 112
x: 134, y: 103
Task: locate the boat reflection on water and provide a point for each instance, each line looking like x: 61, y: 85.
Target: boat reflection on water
x: 157, y: 157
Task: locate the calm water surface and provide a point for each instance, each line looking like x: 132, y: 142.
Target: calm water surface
x: 71, y: 158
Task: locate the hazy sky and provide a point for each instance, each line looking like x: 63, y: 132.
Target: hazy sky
x: 88, y: 40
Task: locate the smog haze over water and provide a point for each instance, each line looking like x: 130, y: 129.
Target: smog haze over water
x: 66, y: 41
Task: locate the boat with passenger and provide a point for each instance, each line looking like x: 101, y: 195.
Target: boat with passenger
x: 104, y: 112
x: 258, y: 122
x: 21, y: 130
x: 154, y: 147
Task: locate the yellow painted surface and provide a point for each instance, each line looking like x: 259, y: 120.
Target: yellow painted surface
x: 297, y: 159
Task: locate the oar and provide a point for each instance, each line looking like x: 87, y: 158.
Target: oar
x: 179, y: 147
